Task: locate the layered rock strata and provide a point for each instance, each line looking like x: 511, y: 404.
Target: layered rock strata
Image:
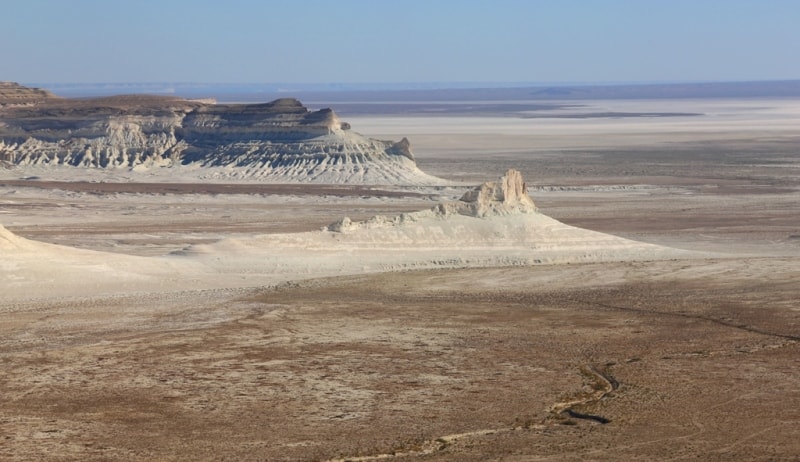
x: 280, y: 141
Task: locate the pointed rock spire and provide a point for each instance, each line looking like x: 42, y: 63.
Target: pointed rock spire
x: 508, y: 195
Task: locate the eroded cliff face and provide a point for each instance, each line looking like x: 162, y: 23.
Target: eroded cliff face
x: 277, y: 141
x: 506, y: 197
x: 115, y: 141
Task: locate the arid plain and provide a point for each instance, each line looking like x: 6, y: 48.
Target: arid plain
x: 686, y: 357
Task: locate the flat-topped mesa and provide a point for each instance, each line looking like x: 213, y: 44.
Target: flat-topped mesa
x: 284, y: 118
x: 279, y: 141
x: 263, y: 137
x: 325, y: 118
x: 283, y: 106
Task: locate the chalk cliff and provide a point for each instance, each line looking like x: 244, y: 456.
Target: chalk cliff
x: 506, y: 197
x: 279, y: 141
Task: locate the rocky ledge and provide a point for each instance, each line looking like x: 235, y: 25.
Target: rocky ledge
x: 279, y: 141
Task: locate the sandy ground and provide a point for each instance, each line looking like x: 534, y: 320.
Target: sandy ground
x: 665, y: 359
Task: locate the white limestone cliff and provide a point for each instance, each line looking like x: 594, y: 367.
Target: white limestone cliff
x: 280, y: 141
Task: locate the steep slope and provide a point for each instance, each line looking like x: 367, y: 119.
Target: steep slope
x: 280, y: 141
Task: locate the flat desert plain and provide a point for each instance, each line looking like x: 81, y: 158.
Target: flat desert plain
x: 154, y: 321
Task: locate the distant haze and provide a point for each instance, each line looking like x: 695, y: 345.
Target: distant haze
x: 239, y: 41
x: 431, y: 93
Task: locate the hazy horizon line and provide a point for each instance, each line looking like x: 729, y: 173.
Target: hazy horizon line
x: 456, y: 84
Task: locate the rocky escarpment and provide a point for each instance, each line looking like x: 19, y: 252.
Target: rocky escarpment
x: 280, y: 141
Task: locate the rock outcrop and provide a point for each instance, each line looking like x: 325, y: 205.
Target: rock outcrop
x: 280, y: 141
x: 507, y: 196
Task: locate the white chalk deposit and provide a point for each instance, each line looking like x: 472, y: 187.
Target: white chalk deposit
x: 160, y: 137
x: 493, y: 225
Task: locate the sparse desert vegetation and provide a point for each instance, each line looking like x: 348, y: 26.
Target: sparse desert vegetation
x: 687, y: 354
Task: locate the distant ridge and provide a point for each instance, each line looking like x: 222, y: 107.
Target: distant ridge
x: 670, y: 90
x: 14, y: 94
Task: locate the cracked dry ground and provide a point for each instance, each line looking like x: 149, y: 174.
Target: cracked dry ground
x: 705, y: 356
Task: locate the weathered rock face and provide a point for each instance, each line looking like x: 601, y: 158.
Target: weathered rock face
x: 280, y: 141
x: 508, y: 196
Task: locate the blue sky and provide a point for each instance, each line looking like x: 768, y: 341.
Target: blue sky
x: 237, y: 41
